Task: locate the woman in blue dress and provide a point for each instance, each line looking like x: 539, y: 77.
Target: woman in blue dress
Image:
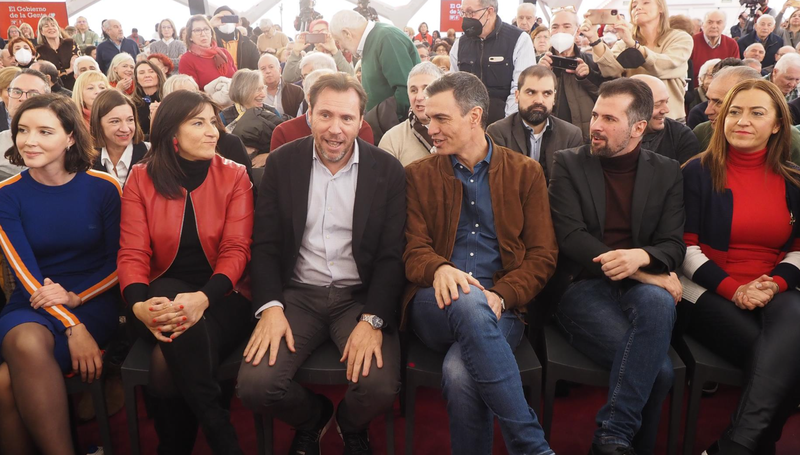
x: 59, y: 231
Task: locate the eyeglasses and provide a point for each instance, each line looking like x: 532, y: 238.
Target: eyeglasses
x: 202, y: 31
x: 463, y: 13
x: 17, y: 93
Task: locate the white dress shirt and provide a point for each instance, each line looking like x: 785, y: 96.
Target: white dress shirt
x: 123, y: 167
x: 370, y: 26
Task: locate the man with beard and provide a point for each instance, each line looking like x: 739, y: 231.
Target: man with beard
x: 664, y: 135
x: 480, y: 248
x: 327, y: 264
x: 533, y: 130
x: 618, y: 215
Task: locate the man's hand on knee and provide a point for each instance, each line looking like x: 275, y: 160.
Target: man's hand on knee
x: 621, y: 264
x: 446, y: 281
x: 363, y: 343
x: 271, y: 328
x: 668, y: 281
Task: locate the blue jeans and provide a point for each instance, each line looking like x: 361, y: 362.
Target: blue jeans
x: 481, y: 379
x: 626, y: 329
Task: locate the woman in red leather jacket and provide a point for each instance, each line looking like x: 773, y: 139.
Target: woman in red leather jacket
x: 187, y: 223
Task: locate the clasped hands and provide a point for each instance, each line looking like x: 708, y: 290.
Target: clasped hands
x: 756, y: 294
x: 162, y: 315
x: 620, y: 264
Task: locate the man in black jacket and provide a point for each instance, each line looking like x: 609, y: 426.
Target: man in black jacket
x: 763, y: 33
x: 533, y: 131
x: 327, y: 264
x: 241, y: 48
x: 618, y: 215
x: 664, y: 135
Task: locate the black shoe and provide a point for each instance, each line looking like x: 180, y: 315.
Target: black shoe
x: 307, y: 442
x: 611, y: 449
x: 356, y: 443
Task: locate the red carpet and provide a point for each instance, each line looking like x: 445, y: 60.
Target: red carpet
x: 572, y: 427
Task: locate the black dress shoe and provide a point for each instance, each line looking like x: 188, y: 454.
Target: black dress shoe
x: 611, y: 449
x: 307, y: 442
x: 356, y: 443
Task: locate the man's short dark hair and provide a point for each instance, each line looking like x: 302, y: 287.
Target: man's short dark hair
x: 468, y: 91
x: 538, y: 72
x: 33, y: 72
x: 726, y: 62
x: 338, y: 82
x: 48, y: 69
x: 641, y: 106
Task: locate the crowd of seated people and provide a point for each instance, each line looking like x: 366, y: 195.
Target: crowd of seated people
x: 644, y: 190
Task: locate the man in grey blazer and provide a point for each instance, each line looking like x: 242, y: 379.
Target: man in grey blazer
x: 533, y: 130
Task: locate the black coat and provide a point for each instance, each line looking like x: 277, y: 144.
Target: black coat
x: 247, y: 54
x: 771, y: 45
x: 675, y: 141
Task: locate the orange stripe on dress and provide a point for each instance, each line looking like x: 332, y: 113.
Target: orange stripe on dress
x: 100, y: 287
x: 63, y: 315
x: 106, y: 177
x: 25, y: 277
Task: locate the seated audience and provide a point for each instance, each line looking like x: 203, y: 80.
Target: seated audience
x: 534, y: 131
x: 711, y: 44
x: 468, y: 305
x: 646, y: 46
x: 121, y: 73
x: 87, y: 86
x: 149, y: 83
x: 6, y: 58
x: 284, y: 97
x: 26, y: 84
x: 113, y: 44
x: 205, y: 60
x: 51, y: 72
x: 763, y: 33
x: 242, y: 49
x: 82, y: 64
x: 23, y: 51
x: 179, y: 82
x: 91, y: 51
x: 618, y: 256
x: 786, y: 75
x: 300, y: 127
x: 6, y: 76
x: 169, y: 45
x: 64, y: 306
x: 117, y: 135
x: 410, y: 140
x: 424, y: 52
x: 664, y: 135
x: 57, y: 49
x: 316, y: 61
x: 752, y: 63
x: 698, y: 94
x: 177, y: 272
x: 697, y: 114
x: 755, y: 51
x: 741, y: 268
x: 311, y: 288
x: 293, y: 71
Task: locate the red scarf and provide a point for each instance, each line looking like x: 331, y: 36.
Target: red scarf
x: 130, y: 89
x: 87, y: 115
x: 215, y: 52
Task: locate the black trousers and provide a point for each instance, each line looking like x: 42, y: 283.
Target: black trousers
x: 192, y: 360
x: 765, y: 343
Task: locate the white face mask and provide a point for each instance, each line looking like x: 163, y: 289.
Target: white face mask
x: 610, y: 38
x: 227, y: 28
x: 562, y: 41
x: 23, y: 56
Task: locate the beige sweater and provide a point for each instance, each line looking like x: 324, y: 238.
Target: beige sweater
x: 668, y: 60
x: 276, y: 41
x: 403, y: 144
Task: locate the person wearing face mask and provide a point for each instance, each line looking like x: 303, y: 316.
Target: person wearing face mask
x: 576, y: 90
x: 117, y: 136
x: 245, y: 53
x: 410, y: 141
x: 494, y: 51
x: 23, y: 51
x: 533, y: 130
x: 710, y: 43
x: 115, y: 44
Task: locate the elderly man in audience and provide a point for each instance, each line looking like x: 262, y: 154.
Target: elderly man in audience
x: 755, y: 51
x: 327, y: 264
x: 271, y: 39
x: 84, y: 63
x: 697, y: 114
x: 7, y: 59
x: 494, y: 51
x: 292, y: 70
x: 576, y: 90
x: 410, y: 140
x: 285, y: 97
x: 115, y: 44
x: 781, y: 52
x: 311, y: 62
x: 618, y: 258
x: 710, y: 43
x: 387, y: 57
x: 300, y: 126
x: 533, y: 130
x: 664, y: 135
x: 480, y: 247
x: 526, y: 17
x: 26, y: 84
x: 763, y: 33
x: 84, y: 36
x: 753, y: 63
x: 786, y: 75
x: 51, y: 72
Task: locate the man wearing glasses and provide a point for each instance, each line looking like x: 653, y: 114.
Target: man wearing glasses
x: 26, y: 84
x: 494, y: 51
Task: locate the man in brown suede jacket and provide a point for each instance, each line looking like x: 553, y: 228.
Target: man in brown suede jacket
x: 480, y: 246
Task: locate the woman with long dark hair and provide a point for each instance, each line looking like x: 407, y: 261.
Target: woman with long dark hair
x: 187, y: 221
x: 117, y: 135
x: 59, y: 224
x: 149, y: 82
x: 742, y: 266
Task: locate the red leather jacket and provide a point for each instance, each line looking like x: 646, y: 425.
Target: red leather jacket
x: 151, y: 225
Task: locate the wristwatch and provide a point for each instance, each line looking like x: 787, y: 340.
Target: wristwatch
x: 502, y: 302
x: 376, y: 322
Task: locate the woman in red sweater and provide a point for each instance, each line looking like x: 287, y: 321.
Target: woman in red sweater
x: 423, y: 35
x: 204, y: 61
x: 742, y: 262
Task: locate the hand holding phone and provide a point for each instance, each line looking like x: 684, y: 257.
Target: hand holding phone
x: 603, y: 16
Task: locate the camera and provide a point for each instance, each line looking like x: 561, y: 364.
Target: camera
x: 306, y: 16
x: 564, y: 63
x: 367, y: 11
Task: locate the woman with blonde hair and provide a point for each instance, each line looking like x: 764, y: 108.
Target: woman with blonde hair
x: 790, y: 32
x: 57, y: 49
x: 121, y: 72
x: 742, y: 264
x: 88, y: 85
x: 647, y: 45
x: 12, y: 32
x: 27, y: 31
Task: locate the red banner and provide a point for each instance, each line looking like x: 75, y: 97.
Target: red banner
x: 15, y: 13
x: 450, y: 18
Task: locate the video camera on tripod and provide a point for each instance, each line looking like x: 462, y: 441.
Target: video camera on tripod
x: 367, y: 11
x: 306, y: 16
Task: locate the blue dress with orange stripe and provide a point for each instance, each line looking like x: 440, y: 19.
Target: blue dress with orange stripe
x: 70, y: 234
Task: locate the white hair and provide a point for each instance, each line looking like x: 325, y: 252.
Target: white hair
x: 530, y: 7
x: 179, y: 79
x: 318, y: 60
x: 765, y: 17
x: 265, y: 23
x: 346, y: 20
x: 80, y: 59
x: 724, y: 16
x: 266, y: 55
x: 754, y: 45
x: 787, y: 61
x: 311, y: 79
x: 115, y: 62
x: 706, y: 68
x: 427, y: 68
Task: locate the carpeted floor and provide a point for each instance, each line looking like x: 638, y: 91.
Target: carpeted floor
x: 572, y: 427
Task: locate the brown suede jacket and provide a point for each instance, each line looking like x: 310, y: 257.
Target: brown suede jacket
x: 521, y: 210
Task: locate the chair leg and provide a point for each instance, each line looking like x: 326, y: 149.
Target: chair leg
x: 101, y: 414
x: 390, y: 432
x: 693, y: 410
x: 411, y: 396
x: 675, y: 408
x: 550, y: 381
x: 132, y: 413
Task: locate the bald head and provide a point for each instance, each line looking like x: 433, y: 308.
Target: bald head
x: 783, y: 51
x: 564, y: 22
x: 270, y: 68
x: 660, y: 101
x: 526, y: 16
x: 722, y: 83
x: 756, y: 51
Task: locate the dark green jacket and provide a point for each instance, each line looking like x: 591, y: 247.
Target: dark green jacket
x: 704, y: 131
x: 388, y: 57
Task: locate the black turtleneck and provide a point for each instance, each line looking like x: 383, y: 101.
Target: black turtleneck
x: 620, y: 176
